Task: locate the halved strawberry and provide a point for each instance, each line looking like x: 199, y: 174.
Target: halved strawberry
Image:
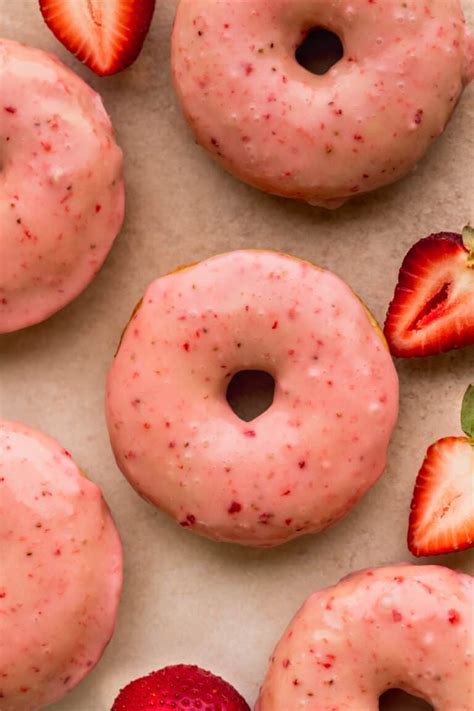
x: 107, y: 35
x: 442, y: 508
x: 432, y: 310
x: 180, y: 688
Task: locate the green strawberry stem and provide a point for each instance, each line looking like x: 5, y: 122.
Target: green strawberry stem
x: 467, y: 412
x: 468, y: 241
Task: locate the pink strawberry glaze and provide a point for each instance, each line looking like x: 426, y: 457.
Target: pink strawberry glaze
x: 61, y: 187
x: 60, y: 571
x: 323, y: 139
x: 407, y: 626
x: 302, y: 464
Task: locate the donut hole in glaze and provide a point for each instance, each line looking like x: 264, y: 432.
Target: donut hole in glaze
x: 320, y: 50
x: 250, y: 393
x: 398, y: 700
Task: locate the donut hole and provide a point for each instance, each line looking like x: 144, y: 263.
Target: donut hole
x: 250, y: 393
x: 320, y: 50
x: 398, y: 700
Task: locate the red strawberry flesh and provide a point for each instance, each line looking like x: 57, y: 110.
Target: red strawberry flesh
x: 107, y: 35
x: 432, y: 310
x: 442, y: 509
x: 180, y: 688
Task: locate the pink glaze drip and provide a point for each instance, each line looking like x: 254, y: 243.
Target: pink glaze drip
x: 61, y: 186
x: 60, y: 571
x: 302, y: 464
x: 407, y: 627
x: 323, y: 139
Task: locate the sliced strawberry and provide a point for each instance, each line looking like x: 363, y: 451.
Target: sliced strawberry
x: 432, y: 310
x: 442, y: 508
x: 107, y: 35
x: 180, y: 688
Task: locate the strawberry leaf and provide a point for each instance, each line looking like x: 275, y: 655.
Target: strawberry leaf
x: 467, y: 412
x: 468, y: 241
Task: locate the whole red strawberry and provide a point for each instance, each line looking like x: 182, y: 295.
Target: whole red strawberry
x: 180, y: 688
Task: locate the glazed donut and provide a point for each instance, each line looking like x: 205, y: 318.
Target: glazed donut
x: 61, y: 187
x: 60, y: 571
x: 407, y: 627
x: 323, y: 139
x: 299, y: 466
